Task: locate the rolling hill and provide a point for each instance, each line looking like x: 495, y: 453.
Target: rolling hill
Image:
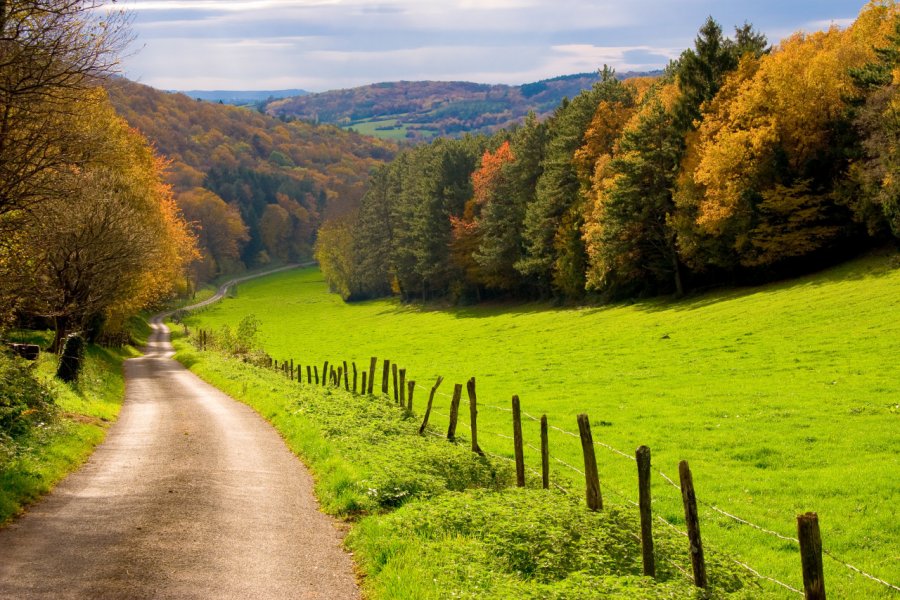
x: 421, y: 110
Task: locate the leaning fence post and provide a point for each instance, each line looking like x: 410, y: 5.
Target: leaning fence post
x: 545, y: 453
x: 354, y: 378
x: 385, y: 375
x: 402, y: 387
x: 372, y: 363
x: 692, y: 520
x: 518, y: 442
x: 591, y: 478
x: 430, y: 401
x: 396, y: 391
x: 811, y: 556
x: 473, y: 416
x: 346, y: 377
x: 316, y: 373
x: 325, y: 374
x: 454, y: 412
x: 411, y: 385
x: 340, y: 375
x: 642, y: 455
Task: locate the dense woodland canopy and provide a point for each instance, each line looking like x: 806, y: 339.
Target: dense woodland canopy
x: 741, y: 163
x: 90, y: 232
x: 255, y: 189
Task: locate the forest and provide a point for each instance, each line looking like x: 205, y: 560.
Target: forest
x: 740, y: 164
x: 255, y: 189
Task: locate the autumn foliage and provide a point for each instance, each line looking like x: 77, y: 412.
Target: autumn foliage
x: 742, y: 162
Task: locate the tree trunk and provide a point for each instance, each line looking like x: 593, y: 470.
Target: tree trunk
x: 61, y: 324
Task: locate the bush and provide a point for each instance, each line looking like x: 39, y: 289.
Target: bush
x: 24, y: 401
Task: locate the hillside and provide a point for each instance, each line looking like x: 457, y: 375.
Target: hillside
x: 419, y: 110
x: 253, y: 163
x: 783, y: 398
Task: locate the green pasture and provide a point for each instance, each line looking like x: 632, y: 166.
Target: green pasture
x: 783, y: 398
x: 370, y: 127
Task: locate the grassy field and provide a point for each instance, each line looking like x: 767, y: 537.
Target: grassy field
x: 31, y: 464
x: 783, y: 398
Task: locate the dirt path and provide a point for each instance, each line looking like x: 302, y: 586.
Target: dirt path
x: 192, y: 495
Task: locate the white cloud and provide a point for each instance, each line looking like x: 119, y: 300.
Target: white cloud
x: 326, y: 44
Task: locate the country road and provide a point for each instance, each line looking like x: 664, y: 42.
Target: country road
x: 191, y: 495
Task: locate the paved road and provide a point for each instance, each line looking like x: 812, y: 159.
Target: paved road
x: 192, y: 495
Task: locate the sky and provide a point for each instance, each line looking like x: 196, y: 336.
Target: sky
x: 320, y: 45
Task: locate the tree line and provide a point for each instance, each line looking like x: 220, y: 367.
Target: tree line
x: 89, y: 232
x: 741, y: 163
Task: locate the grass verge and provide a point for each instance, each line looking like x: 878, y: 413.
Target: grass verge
x: 431, y: 519
x: 50, y: 442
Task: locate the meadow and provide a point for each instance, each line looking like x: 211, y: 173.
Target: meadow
x: 784, y: 398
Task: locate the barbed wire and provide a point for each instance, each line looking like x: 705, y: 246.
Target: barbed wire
x: 463, y: 423
x: 767, y: 578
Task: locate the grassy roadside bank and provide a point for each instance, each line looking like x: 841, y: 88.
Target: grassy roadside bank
x: 53, y: 440
x: 431, y: 519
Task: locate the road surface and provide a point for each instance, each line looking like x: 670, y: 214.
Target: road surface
x: 191, y: 495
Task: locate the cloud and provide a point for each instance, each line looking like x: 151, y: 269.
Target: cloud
x: 326, y: 44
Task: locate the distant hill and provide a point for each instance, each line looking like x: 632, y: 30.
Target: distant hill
x: 253, y: 161
x: 241, y: 97
x: 421, y: 110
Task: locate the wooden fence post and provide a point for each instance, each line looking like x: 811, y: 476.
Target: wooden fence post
x: 346, y: 377
x: 692, y: 520
x: 545, y: 453
x: 642, y: 455
x: 412, y: 386
x: 372, y: 363
x: 309, y: 374
x: 385, y: 376
x: 325, y: 374
x: 396, y: 391
x: 292, y: 369
x: 354, y: 377
x: 402, y: 388
x: 518, y: 442
x: 811, y: 556
x: 454, y: 412
x: 473, y: 416
x: 591, y: 478
x: 340, y: 375
x: 430, y: 401
x: 316, y: 373
x: 364, y: 382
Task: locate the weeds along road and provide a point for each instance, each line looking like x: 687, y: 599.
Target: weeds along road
x: 191, y: 495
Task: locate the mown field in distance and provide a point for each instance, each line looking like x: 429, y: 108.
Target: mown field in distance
x: 783, y: 398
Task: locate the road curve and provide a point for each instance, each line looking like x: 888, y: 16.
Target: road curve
x: 191, y: 495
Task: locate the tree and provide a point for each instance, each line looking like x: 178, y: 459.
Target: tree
x: 766, y: 177
x: 632, y: 247
x: 115, y: 243
x: 558, y: 193
x: 503, y: 191
x: 219, y: 227
x: 53, y: 51
x: 875, y: 197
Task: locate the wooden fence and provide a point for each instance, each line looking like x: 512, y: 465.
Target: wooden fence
x: 808, y: 534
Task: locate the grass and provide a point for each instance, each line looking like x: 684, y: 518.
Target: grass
x: 33, y: 462
x: 783, y: 398
x: 434, y: 520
